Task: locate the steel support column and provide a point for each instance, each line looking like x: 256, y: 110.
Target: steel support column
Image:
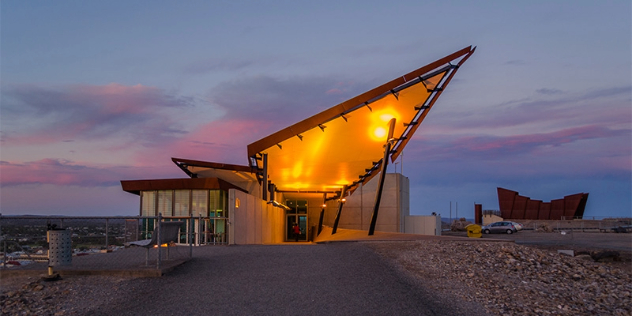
x: 320, y: 220
x: 341, y: 202
x: 380, y: 184
x: 264, y: 183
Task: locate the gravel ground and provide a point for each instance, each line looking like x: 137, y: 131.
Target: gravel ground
x: 511, y: 279
x: 340, y: 278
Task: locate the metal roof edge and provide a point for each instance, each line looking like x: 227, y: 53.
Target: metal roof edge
x: 313, y: 121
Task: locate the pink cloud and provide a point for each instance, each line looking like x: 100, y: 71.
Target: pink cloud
x: 69, y: 173
x: 220, y: 141
x: 39, y: 115
x: 523, y: 143
x: 584, y: 150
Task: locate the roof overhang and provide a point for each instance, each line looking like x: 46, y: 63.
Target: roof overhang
x: 344, y: 145
x: 228, y: 172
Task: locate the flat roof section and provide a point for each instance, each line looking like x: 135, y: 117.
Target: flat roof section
x: 344, y: 145
x: 136, y: 186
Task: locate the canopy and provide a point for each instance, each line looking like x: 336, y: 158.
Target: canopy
x: 344, y: 145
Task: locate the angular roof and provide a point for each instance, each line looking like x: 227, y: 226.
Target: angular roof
x: 344, y: 145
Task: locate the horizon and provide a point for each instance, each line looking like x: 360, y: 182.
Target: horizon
x: 98, y: 92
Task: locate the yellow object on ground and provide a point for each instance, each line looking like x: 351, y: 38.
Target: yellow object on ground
x: 473, y: 231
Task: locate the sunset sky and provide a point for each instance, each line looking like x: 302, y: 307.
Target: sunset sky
x: 94, y: 92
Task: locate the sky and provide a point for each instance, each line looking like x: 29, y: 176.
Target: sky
x: 94, y: 92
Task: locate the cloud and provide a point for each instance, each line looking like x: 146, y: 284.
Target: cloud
x: 40, y: 115
x: 69, y: 173
x: 488, y: 147
x: 550, y: 111
x: 252, y: 108
x: 280, y: 101
x: 220, y: 141
x: 522, y: 144
x: 549, y: 91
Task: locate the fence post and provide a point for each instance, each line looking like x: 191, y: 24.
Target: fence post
x: 4, y: 258
x: 138, y: 227
x: 158, y: 241
x: 191, y: 226
x: 107, y: 242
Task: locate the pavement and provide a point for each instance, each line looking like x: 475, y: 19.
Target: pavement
x: 128, y: 262
x: 132, y: 262
x: 339, y: 275
x: 288, y: 279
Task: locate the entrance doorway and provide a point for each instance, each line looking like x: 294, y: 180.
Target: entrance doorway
x: 296, y: 214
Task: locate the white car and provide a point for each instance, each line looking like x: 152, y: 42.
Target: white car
x: 518, y: 226
x: 499, y: 227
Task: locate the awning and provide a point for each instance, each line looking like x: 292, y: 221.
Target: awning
x: 344, y: 145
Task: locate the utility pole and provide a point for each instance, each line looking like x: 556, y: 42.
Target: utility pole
x: 457, y: 210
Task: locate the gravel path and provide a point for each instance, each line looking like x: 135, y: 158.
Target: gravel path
x: 338, y: 279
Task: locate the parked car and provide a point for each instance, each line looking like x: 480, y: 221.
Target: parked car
x: 500, y: 227
x: 517, y: 225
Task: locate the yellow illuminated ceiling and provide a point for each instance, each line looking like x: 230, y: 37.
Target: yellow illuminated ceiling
x: 344, y: 145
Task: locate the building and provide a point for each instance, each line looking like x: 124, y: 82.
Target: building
x: 319, y: 171
x: 515, y: 206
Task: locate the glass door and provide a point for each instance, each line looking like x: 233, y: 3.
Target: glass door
x: 296, y: 215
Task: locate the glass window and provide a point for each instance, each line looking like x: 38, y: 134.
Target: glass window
x: 199, y: 200
x: 147, y: 228
x: 181, y: 206
x: 148, y: 203
x: 224, y: 202
x: 291, y: 204
x: 296, y: 206
x: 218, y: 200
x: 301, y: 207
x: 165, y: 204
x: 213, y: 202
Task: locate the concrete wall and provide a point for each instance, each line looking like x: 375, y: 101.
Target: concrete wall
x: 488, y: 219
x: 254, y: 221
x: 358, y: 209
x: 423, y: 225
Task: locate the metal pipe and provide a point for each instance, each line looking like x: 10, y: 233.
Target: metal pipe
x: 158, y: 241
x: 191, y: 226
